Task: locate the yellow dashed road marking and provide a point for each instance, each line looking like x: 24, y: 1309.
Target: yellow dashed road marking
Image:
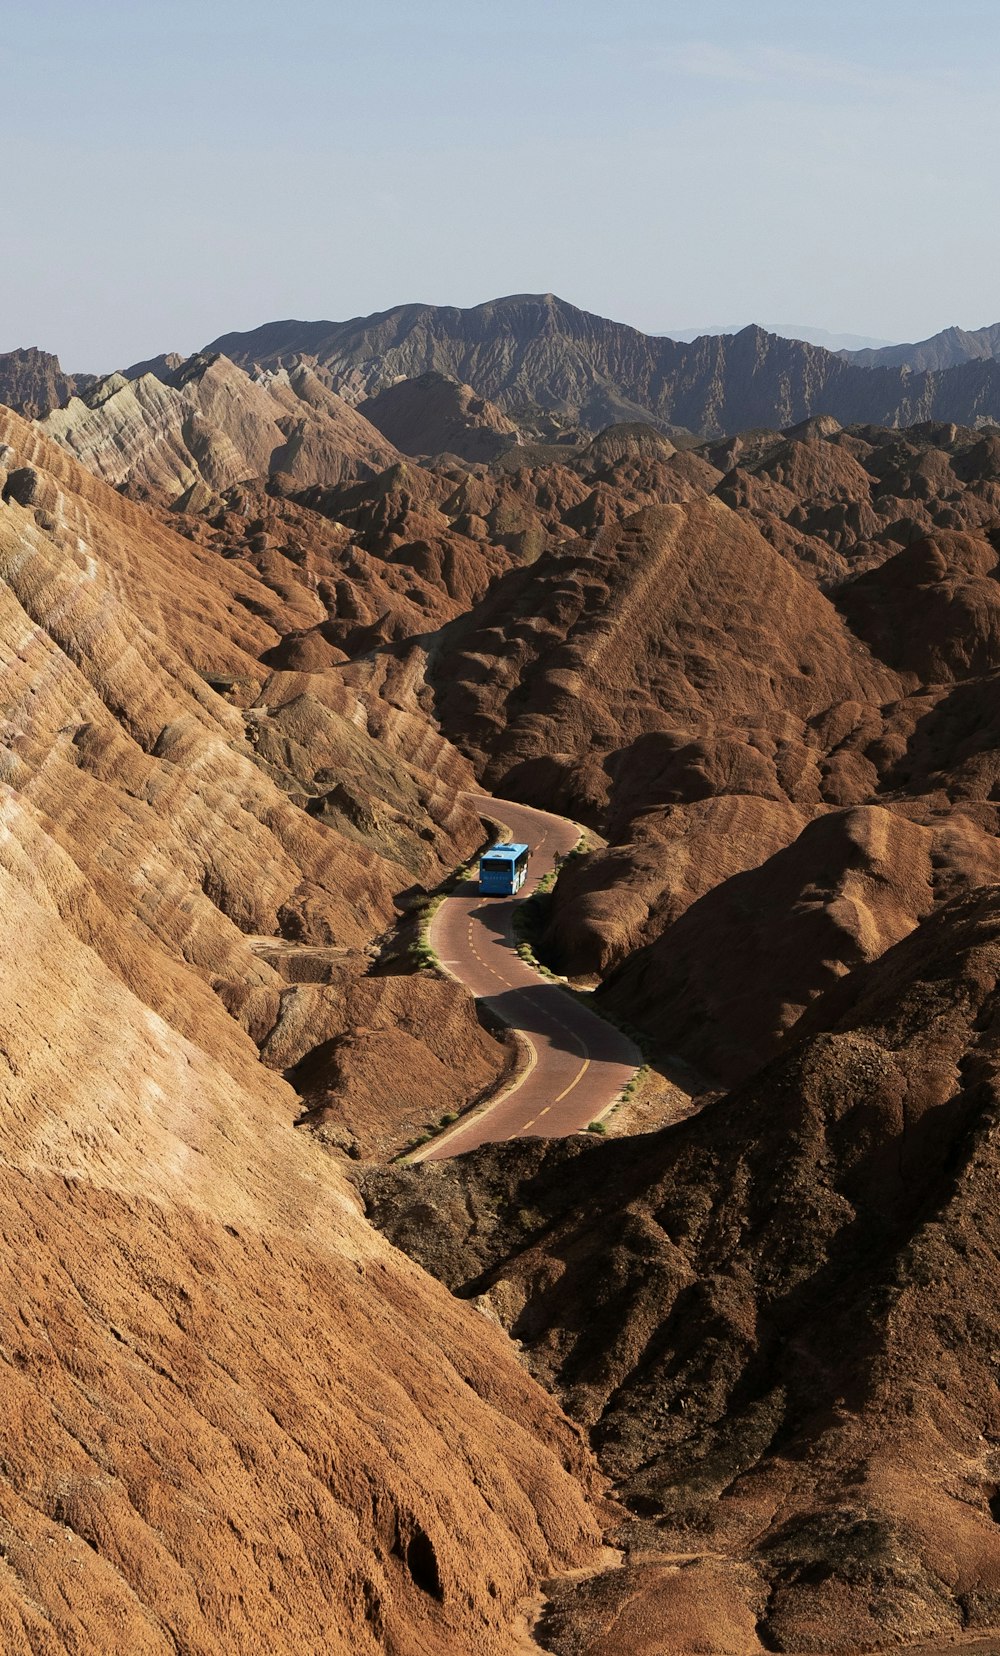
x: 569, y: 1089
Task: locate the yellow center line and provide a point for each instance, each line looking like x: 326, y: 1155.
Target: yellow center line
x: 569, y: 1089
x: 503, y: 943
x: 493, y: 973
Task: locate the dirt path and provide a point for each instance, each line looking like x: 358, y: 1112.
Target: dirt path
x: 577, y: 1063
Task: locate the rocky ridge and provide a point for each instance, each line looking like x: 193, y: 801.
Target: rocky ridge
x: 206, y: 425
x: 32, y: 382
x: 549, y: 365
x: 537, y: 351
x: 943, y: 350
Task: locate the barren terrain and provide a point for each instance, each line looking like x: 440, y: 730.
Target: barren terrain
x: 262, y: 652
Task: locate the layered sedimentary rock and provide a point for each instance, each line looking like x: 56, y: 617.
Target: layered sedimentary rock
x: 765, y: 671
x: 206, y: 425
x: 673, y: 656
x: 610, y: 902
x: 666, y: 679
x: 241, y: 1420
x: 723, y: 982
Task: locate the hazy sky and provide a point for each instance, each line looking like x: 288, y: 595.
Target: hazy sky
x: 173, y: 170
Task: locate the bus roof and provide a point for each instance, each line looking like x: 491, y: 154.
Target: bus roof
x: 504, y: 851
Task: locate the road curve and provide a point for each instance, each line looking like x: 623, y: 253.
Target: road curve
x: 578, y: 1063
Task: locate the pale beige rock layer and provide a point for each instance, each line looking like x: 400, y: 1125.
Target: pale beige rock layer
x: 214, y: 425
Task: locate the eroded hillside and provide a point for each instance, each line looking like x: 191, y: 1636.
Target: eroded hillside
x: 241, y: 708
x: 778, y: 1320
x: 774, y: 696
x: 242, y: 1419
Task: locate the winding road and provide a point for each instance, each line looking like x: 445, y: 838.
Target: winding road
x: 577, y: 1063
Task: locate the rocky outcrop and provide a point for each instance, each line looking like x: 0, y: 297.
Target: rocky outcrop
x: 206, y: 425
x: 33, y: 382
x: 434, y: 414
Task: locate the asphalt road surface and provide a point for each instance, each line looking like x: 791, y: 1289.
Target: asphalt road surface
x: 578, y: 1063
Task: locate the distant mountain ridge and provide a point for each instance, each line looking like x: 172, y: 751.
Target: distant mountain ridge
x: 809, y: 335
x: 536, y: 350
x: 947, y: 349
x: 537, y: 358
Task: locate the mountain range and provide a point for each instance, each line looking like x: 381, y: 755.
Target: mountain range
x: 549, y: 367
x: 536, y: 350
x: 946, y: 349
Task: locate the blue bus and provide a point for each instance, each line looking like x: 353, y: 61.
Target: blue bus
x: 502, y: 870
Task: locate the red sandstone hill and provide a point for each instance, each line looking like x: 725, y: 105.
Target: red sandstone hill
x: 778, y: 1318
x: 840, y: 502
x: 241, y: 1420
x: 724, y: 980
x: 670, y: 657
x: 434, y: 414
x: 688, y: 807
